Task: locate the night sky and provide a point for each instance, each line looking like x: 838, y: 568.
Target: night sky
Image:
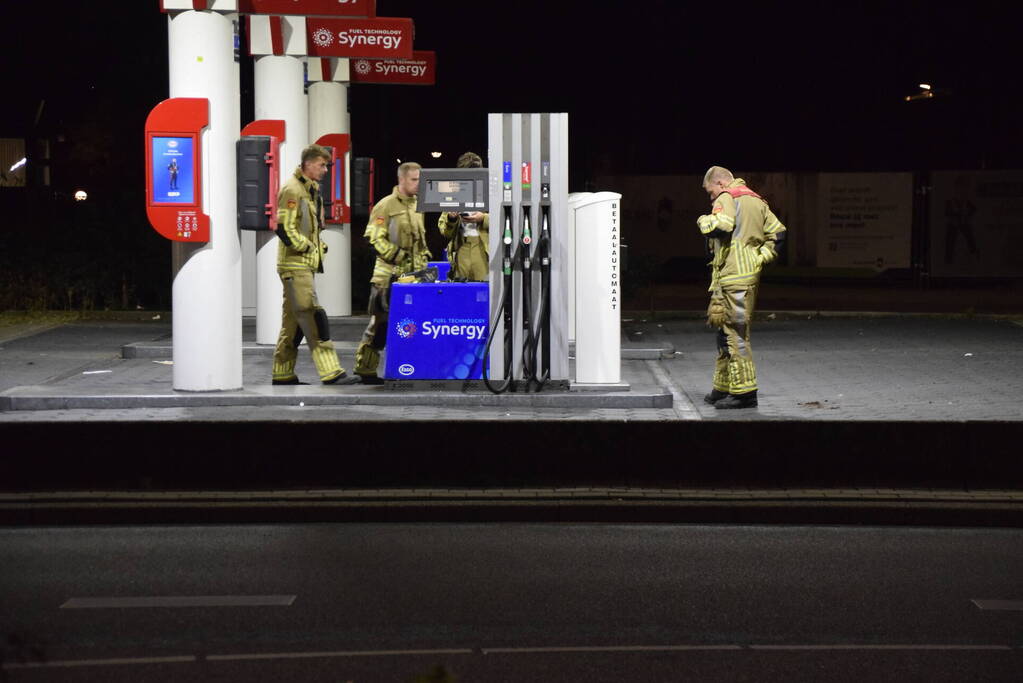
x: 650, y: 87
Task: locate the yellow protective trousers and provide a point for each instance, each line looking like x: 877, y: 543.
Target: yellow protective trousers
x: 302, y: 317
x: 374, y: 337
x: 470, y: 262
x: 734, y: 372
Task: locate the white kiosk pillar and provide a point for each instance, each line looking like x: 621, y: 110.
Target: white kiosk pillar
x: 207, y: 285
x: 328, y: 113
x: 279, y: 94
x: 598, y: 306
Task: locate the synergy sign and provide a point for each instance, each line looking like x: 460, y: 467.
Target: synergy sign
x: 380, y: 37
x: 420, y: 70
x: 472, y: 329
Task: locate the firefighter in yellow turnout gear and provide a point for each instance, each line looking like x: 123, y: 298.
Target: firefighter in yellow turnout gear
x: 468, y: 235
x: 743, y: 234
x: 398, y: 235
x: 299, y: 256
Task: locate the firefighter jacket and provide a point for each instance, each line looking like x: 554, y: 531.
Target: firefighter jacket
x: 299, y: 210
x: 453, y: 232
x: 743, y: 234
x: 397, y: 233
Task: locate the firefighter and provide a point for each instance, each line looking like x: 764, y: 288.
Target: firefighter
x: 299, y: 257
x: 468, y: 236
x: 743, y: 234
x: 398, y: 235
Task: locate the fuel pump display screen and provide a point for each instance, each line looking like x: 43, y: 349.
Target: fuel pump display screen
x: 451, y: 193
x: 454, y: 187
x: 445, y: 189
x: 173, y: 174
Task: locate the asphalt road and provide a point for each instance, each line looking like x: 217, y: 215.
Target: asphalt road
x: 510, y: 603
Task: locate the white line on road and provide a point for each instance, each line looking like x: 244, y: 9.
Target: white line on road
x: 494, y: 650
x: 609, y: 648
x: 1005, y: 605
x: 181, y: 601
x: 338, y: 653
x: 881, y: 647
x: 61, y: 663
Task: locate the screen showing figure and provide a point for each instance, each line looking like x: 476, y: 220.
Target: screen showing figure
x: 173, y: 175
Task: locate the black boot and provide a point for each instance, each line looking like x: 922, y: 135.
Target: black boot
x: 370, y: 379
x: 733, y: 401
x: 287, y: 382
x: 714, y: 396
x: 341, y: 380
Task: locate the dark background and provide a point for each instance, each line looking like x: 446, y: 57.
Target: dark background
x: 650, y: 87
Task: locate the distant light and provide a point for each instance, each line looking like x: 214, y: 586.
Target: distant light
x: 81, y: 196
x: 18, y: 165
x: 925, y: 86
x: 398, y: 160
x: 435, y: 155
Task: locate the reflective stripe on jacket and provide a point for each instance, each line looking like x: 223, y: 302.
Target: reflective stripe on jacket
x: 452, y: 230
x: 398, y: 235
x: 299, y: 208
x: 743, y: 232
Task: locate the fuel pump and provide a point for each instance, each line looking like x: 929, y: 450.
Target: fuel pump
x: 539, y: 315
x: 525, y: 261
x: 505, y: 307
x: 542, y: 335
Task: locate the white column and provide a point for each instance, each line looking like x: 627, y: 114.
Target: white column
x: 279, y: 94
x: 328, y: 113
x: 248, y: 274
x: 598, y: 344
x: 207, y: 287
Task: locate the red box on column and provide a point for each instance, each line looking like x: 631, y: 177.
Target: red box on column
x: 174, y: 169
x: 336, y: 197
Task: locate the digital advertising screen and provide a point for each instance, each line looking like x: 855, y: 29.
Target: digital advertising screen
x: 173, y: 175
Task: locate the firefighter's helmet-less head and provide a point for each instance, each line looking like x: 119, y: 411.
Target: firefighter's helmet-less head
x: 469, y: 160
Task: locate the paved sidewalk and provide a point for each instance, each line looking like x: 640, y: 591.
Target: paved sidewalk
x: 110, y: 367
x: 863, y: 418
x: 812, y: 367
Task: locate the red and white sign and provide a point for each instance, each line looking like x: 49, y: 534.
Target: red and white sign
x: 380, y: 37
x: 309, y: 8
x: 177, y: 214
x: 420, y: 70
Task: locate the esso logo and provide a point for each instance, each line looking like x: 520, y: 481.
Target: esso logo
x: 405, y: 369
x: 172, y: 143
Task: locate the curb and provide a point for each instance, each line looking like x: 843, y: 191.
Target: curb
x: 1001, y: 509
x: 56, y: 398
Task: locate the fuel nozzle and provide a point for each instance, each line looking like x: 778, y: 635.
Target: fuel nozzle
x: 527, y: 239
x: 506, y: 263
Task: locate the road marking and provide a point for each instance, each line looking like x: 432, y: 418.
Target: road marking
x: 99, y: 662
x: 337, y: 653
x: 679, y: 401
x: 186, y: 659
x: 181, y: 601
x: 1004, y: 605
x: 609, y: 648
x: 881, y: 647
